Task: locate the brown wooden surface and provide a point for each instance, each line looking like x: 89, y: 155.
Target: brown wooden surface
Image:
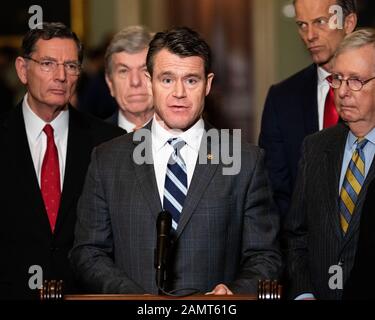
x: 53, y: 290
x: 117, y: 297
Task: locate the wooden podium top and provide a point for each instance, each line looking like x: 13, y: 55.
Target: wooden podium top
x: 53, y: 290
x: 122, y: 297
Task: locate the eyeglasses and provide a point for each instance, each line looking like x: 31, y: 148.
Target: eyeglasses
x: 71, y: 68
x: 353, y: 83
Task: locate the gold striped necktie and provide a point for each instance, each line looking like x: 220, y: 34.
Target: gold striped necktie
x: 352, y: 184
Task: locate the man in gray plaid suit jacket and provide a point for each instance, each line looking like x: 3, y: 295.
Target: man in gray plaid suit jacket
x: 225, y: 238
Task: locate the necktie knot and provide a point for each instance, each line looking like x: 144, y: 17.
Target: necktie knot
x: 48, y: 130
x: 361, y: 143
x: 330, y: 117
x: 177, y: 144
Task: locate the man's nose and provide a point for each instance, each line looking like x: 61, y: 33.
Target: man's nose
x: 60, y: 72
x: 312, y: 34
x: 344, y: 89
x: 135, y: 78
x: 179, y: 89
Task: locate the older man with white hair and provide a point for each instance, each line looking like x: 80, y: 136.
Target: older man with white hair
x: 125, y: 62
x: 322, y: 227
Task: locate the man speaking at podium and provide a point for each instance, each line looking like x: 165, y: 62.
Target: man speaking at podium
x: 224, y: 227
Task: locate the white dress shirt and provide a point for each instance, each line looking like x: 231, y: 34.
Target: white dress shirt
x: 323, y: 88
x: 38, y: 139
x: 162, y: 150
x: 126, y: 124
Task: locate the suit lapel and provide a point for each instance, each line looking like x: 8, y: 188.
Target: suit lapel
x: 146, y: 179
x: 333, y: 161
x: 24, y: 170
x: 355, y: 222
x: 113, y: 119
x: 310, y: 101
x: 147, y: 182
x: 78, y: 148
x: 202, y: 177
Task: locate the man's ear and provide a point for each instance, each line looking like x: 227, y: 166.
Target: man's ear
x: 209, y: 83
x: 109, y: 84
x: 21, y: 68
x: 350, y: 23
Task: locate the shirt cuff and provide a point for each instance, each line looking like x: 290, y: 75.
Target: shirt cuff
x: 305, y: 296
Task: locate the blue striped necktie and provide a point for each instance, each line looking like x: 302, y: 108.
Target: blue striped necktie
x: 175, y: 187
x: 352, y: 185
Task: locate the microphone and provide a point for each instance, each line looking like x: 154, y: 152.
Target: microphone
x: 163, y: 227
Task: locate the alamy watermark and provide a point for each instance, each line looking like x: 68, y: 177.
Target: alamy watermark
x: 217, y: 147
x: 337, y: 19
x: 335, y: 282
x: 36, y: 280
x: 36, y: 20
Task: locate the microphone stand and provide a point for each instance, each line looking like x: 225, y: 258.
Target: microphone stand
x: 163, y: 227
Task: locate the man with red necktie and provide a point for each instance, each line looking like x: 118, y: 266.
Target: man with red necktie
x: 328, y: 244
x: 303, y: 103
x: 46, y: 146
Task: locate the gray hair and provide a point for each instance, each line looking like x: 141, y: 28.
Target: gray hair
x: 48, y: 31
x: 356, y: 40
x: 131, y: 40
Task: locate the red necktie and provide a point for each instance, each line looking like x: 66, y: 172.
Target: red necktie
x: 50, y: 178
x: 330, y: 114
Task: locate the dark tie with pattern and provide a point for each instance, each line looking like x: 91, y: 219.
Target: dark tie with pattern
x: 175, y: 187
x: 50, y: 178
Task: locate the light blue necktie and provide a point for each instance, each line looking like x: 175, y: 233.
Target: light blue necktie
x: 175, y: 187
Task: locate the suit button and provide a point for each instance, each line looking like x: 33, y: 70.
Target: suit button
x: 53, y: 249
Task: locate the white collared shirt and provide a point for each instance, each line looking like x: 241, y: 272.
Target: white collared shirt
x: 323, y: 88
x: 126, y: 124
x: 162, y: 150
x: 38, y: 139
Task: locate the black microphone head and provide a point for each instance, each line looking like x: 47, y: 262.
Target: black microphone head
x: 164, y: 223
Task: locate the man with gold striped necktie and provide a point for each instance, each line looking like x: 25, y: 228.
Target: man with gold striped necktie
x: 322, y: 226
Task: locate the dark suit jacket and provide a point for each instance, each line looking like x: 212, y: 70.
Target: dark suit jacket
x: 361, y: 283
x: 25, y: 234
x: 113, y: 119
x: 94, y: 96
x: 227, y: 232
x: 290, y: 114
x: 312, y: 227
